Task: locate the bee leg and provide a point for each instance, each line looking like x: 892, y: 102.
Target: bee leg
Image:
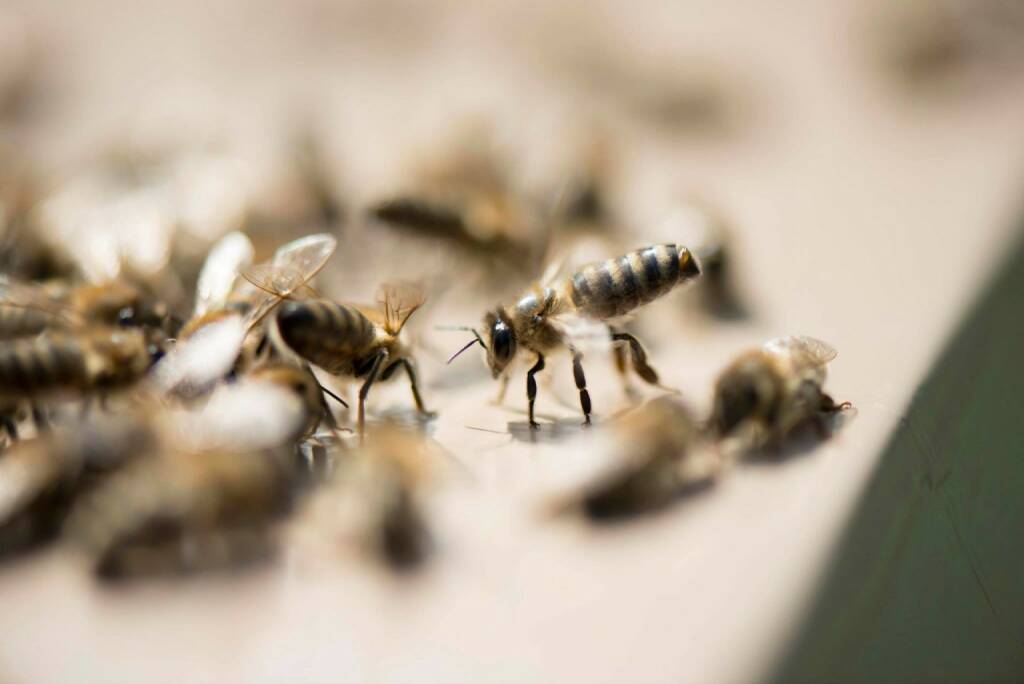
x: 371, y: 377
x: 640, y: 365
x: 581, y: 385
x: 499, y: 398
x: 531, y: 388
x: 619, y: 353
x: 415, y: 387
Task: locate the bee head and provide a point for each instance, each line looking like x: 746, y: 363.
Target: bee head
x: 502, y: 336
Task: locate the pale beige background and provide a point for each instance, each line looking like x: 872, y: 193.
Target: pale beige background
x: 866, y: 216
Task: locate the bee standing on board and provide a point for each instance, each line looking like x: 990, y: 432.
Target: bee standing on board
x: 89, y: 361
x: 657, y: 462
x: 600, y: 292
x: 226, y: 333
x: 354, y: 342
x: 766, y: 394
x: 183, y: 512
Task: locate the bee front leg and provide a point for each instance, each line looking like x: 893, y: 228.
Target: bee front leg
x: 371, y: 377
x: 499, y: 398
x: 581, y: 385
x: 531, y: 388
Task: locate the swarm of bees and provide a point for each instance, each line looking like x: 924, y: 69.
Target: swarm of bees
x: 169, y: 419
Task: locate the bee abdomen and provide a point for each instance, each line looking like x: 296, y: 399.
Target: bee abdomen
x: 326, y: 333
x: 21, y: 321
x: 617, y: 286
x: 41, y: 366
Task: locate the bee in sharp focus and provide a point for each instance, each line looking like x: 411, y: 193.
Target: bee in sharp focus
x: 657, y: 461
x: 181, y: 512
x: 226, y: 334
x: 767, y: 394
x: 355, y: 342
x: 544, y: 318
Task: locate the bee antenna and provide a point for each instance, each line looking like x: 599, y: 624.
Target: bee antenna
x: 334, y: 396
x: 476, y: 340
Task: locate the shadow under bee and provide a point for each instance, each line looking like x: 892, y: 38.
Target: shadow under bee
x: 552, y: 431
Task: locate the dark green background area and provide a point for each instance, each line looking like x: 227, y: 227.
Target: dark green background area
x: 928, y: 582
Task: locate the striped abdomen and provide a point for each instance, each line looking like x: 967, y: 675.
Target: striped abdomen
x: 25, y: 321
x: 617, y: 286
x: 41, y: 366
x: 327, y: 334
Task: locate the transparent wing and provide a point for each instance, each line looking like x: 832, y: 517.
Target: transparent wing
x: 809, y: 348
x: 307, y: 254
x: 30, y: 296
x: 582, y: 334
x: 203, y: 359
x: 399, y: 301
x: 220, y: 271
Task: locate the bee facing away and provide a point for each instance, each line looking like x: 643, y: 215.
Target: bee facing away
x: 656, y: 462
x: 542, y: 320
x: 354, y: 342
x: 183, y: 512
x: 767, y: 394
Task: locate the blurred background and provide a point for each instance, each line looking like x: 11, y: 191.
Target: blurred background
x: 864, y: 158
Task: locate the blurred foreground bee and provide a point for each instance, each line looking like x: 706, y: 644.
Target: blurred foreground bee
x: 183, y: 512
x: 94, y: 361
x: 355, y: 342
x: 766, y: 394
x: 542, y: 320
x: 28, y: 308
x: 656, y: 462
x: 42, y: 477
x: 374, y: 499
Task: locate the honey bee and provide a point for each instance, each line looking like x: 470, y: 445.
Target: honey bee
x: 545, y: 317
x: 374, y: 500
x: 354, y: 342
x: 468, y: 199
x: 226, y: 334
x: 28, y: 308
x: 656, y: 461
x: 179, y: 512
x: 94, y: 361
x: 42, y: 477
x: 767, y: 394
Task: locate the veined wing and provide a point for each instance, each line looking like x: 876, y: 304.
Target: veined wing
x: 230, y: 255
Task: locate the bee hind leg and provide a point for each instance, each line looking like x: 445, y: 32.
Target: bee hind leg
x: 639, y: 359
x: 414, y: 385
x: 10, y: 426
x: 39, y: 418
x: 531, y: 388
x: 581, y: 385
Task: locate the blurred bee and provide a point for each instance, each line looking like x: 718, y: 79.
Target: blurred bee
x: 226, y: 333
x: 93, y: 361
x: 468, y: 199
x: 355, y: 342
x: 42, y: 477
x: 702, y: 226
x: 551, y: 316
x: 767, y: 394
x: 183, y: 512
x: 656, y: 462
x: 374, y: 500
x: 28, y: 308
